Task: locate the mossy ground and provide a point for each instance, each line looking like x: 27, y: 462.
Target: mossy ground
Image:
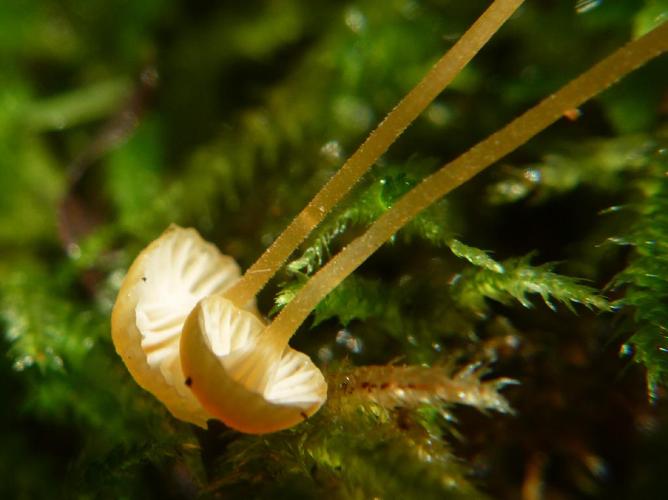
x: 118, y: 118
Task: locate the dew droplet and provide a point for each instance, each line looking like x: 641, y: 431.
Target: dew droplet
x: 532, y: 175
x: 626, y: 350
x: 325, y: 354
x: 332, y: 151
x: 349, y: 341
x: 355, y: 20
x: 23, y: 362
x: 74, y: 251
x: 582, y: 6
x: 439, y: 114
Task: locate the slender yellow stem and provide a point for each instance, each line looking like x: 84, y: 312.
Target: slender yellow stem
x: 443, y: 72
x: 455, y: 173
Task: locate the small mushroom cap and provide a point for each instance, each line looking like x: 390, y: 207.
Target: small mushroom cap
x: 162, y: 286
x: 242, y: 377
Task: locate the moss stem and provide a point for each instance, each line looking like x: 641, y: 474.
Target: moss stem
x: 516, y: 133
x: 410, y: 107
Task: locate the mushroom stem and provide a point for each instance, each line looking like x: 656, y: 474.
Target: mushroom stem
x: 516, y: 133
x: 410, y: 107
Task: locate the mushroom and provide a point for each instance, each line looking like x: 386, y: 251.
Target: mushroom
x: 253, y: 383
x: 147, y: 320
x: 162, y: 286
x: 245, y: 374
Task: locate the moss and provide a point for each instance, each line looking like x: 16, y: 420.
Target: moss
x: 257, y: 105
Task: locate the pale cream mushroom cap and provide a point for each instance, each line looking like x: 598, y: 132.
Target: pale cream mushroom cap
x: 242, y: 377
x: 166, y: 280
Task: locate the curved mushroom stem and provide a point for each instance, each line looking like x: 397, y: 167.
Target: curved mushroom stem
x: 410, y: 107
x: 455, y: 173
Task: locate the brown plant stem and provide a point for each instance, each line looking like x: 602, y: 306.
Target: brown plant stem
x: 408, y: 109
x: 516, y: 133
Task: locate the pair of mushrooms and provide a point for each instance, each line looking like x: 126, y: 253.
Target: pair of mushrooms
x: 198, y: 352
x: 185, y: 321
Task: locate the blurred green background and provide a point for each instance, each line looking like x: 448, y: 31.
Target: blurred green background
x: 119, y: 117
